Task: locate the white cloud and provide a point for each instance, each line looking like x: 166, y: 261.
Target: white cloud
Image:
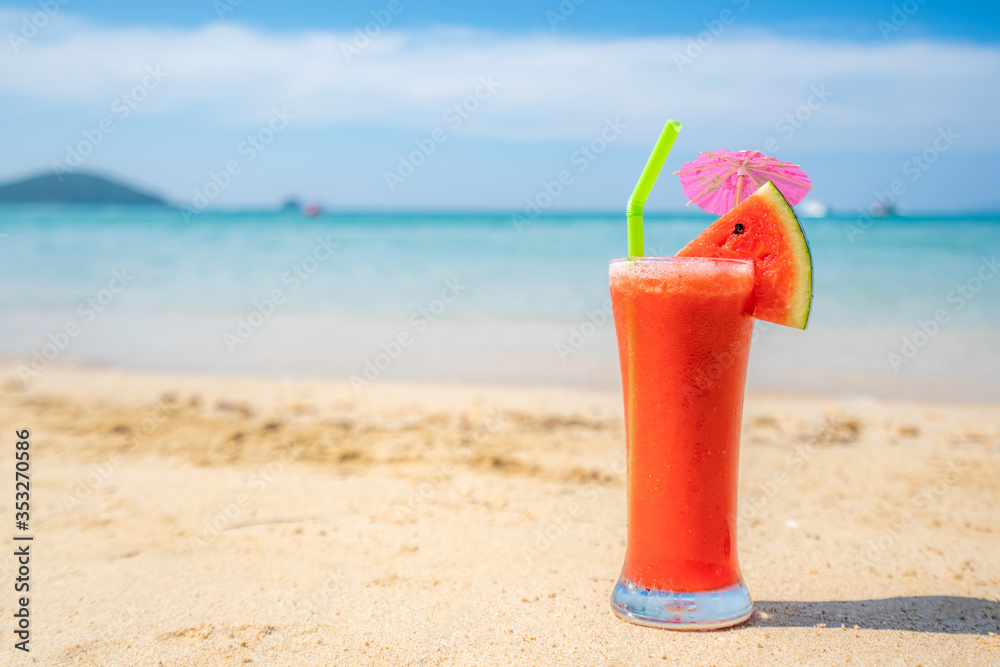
x: 884, y: 95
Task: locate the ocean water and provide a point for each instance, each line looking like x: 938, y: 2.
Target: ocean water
x: 905, y: 306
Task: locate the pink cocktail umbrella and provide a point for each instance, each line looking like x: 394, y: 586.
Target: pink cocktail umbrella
x: 720, y: 180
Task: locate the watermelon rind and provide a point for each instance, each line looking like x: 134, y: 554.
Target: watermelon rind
x: 791, y: 308
x: 800, y: 302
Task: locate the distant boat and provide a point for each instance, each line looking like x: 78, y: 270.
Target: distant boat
x: 312, y: 209
x: 880, y: 210
x: 291, y: 205
x: 813, y: 208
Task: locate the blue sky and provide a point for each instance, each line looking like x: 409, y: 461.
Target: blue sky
x: 852, y: 19
x: 468, y: 105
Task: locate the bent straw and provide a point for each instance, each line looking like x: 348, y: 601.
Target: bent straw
x: 633, y: 211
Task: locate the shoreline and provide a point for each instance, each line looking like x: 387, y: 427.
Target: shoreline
x: 9, y: 376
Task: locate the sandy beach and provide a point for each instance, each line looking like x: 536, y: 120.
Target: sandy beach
x: 194, y: 520
x: 314, y: 321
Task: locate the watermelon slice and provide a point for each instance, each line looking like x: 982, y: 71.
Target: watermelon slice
x: 763, y: 228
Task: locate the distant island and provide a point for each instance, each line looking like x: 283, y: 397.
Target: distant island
x: 74, y: 189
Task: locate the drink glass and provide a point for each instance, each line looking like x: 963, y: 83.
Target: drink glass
x: 684, y: 330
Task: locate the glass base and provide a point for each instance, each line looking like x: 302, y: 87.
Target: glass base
x: 705, y: 610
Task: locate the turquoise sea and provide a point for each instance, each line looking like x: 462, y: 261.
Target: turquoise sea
x: 903, y: 306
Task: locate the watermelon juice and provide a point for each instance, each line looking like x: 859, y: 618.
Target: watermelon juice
x: 684, y: 330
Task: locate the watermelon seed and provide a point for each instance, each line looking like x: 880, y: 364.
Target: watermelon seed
x: 738, y: 229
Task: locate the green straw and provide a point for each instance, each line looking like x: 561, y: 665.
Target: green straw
x: 636, y: 246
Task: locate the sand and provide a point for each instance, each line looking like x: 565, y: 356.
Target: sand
x: 186, y: 520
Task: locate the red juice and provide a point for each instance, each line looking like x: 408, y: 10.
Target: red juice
x: 684, y: 330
